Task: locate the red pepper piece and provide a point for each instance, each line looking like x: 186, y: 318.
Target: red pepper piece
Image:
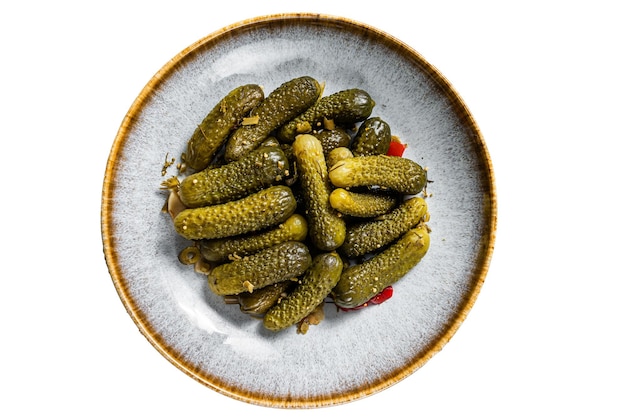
x: 379, y: 298
x: 382, y: 296
x: 396, y: 148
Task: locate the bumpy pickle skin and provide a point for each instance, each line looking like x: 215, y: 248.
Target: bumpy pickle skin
x: 257, y: 211
x: 391, y: 172
x: 372, y: 138
x: 315, y: 286
x: 361, y: 282
x: 294, y: 228
x: 344, y: 108
x: 372, y: 235
x: 326, y: 228
x: 258, y: 302
x: 213, y: 131
x: 281, y: 262
x: 361, y: 204
x: 259, y: 169
x: 281, y: 105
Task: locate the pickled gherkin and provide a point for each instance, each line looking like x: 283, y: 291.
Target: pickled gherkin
x: 279, y: 263
x: 371, y: 235
x: 281, y: 105
x: 262, y: 167
x: 390, y: 172
x: 326, y: 228
x: 345, y: 107
x: 365, y: 204
x: 372, y: 138
x: 360, y: 282
x: 294, y: 228
x: 257, y: 211
x: 212, y: 133
x: 312, y: 289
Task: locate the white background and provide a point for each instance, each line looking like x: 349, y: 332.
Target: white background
x: 545, y: 82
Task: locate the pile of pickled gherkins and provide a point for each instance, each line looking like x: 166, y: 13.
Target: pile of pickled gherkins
x: 296, y: 199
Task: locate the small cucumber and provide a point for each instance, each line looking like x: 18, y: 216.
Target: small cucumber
x: 281, y: 262
x: 212, y: 133
x: 344, y: 108
x: 294, y: 228
x: 259, y: 169
x: 361, y: 204
x: 257, y: 211
x: 391, y: 172
x: 281, y: 105
x: 326, y: 228
x: 313, y: 288
x: 372, y: 138
x: 361, y: 282
x: 374, y: 234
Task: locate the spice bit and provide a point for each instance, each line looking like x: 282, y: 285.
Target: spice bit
x: 249, y: 121
x: 248, y: 286
x: 167, y: 164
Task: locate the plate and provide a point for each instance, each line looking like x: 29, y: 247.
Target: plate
x: 349, y: 355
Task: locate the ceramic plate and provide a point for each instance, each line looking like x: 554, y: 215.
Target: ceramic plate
x: 348, y: 355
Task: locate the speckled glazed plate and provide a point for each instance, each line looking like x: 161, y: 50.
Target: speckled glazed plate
x: 348, y: 355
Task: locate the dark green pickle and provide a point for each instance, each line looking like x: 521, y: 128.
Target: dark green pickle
x: 332, y: 139
x: 279, y: 263
x: 225, y: 117
x: 261, y: 168
x: 281, y: 105
x: 372, y: 235
x: 360, y: 282
x: 313, y: 288
x: 344, y: 108
x: 372, y: 138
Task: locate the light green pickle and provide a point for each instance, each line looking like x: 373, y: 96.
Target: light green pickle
x: 255, y: 212
x: 365, y: 204
x: 281, y: 262
x: 224, y: 118
x: 338, y: 154
x: 314, y: 287
x: 281, y: 105
x: 326, y: 228
x: 390, y: 172
x: 361, y: 282
x: 259, y: 169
